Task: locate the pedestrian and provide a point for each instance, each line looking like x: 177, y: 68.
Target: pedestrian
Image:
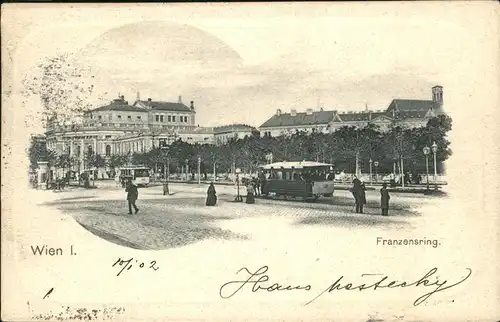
x: 117, y: 180
x: 211, y: 195
x: 250, y: 194
x: 357, y: 191
x: 384, y: 200
x: 132, y: 195
x: 362, y: 197
x: 256, y: 186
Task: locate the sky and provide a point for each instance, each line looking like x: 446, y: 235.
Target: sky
x: 239, y: 63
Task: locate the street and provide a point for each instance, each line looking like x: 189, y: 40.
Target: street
x: 182, y: 218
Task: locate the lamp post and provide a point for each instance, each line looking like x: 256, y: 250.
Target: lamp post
x: 376, y: 172
x: 166, y: 171
x: 215, y: 177
x: 199, y: 170
x: 434, y: 151
x: 371, y: 175
x: 238, y: 197
x: 426, y: 152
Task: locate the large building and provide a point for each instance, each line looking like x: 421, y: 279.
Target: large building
x: 407, y: 112
x: 121, y: 128
x: 223, y: 134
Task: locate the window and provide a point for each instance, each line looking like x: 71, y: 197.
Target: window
x: 157, y: 118
x: 99, y: 117
x: 173, y: 118
x: 170, y: 118
x: 108, y: 136
x: 138, y: 117
x: 161, y: 118
x: 129, y: 117
x: 108, y: 150
x: 119, y: 117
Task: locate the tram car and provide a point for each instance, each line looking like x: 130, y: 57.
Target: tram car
x: 307, y: 180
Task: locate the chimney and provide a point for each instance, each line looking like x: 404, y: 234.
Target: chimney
x: 191, y: 105
x: 309, y: 111
x: 138, y: 96
x: 293, y: 112
x: 180, y: 99
x: 278, y: 112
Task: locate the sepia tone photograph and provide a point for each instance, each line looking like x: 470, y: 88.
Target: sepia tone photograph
x: 249, y: 162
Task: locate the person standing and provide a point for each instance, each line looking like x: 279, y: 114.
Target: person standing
x: 132, y: 195
x: 362, y: 197
x: 358, y: 192
x: 250, y: 194
x: 384, y: 200
x: 211, y: 195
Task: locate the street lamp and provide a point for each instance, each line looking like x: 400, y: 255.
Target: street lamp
x: 238, y: 197
x: 199, y: 168
x: 426, y: 152
x: 371, y: 175
x: 434, y: 151
x: 376, y: 172
x: 166, y: 169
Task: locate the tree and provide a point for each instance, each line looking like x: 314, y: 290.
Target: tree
x: 37, y: 152
x: 63, y: 161
x: 94, y: 160
x: 63, y: 86
x: 116, y: 161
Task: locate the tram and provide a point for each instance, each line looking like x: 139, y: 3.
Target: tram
x: 306, y: 179
x: 138, y: 174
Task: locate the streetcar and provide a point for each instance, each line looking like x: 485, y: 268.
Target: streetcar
x: 306, y: 179
x: 138, y: 174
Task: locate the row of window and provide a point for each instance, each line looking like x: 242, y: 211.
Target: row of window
x: 170, y: 118
x: 110, y: 117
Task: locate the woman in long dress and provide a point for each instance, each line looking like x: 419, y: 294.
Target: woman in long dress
x: 211, y: 195
x: 250, y: 193
x: 384, y: 200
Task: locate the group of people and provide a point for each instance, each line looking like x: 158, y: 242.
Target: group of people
x: 252, y: 191
x: 358, y: 190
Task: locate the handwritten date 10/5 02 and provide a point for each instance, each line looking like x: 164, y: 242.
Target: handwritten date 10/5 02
x: 127, y: 265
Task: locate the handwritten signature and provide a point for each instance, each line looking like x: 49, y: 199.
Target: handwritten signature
x: 127, y: 265
x: 258, y: 279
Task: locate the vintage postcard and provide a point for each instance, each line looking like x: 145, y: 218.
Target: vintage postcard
x: 250, y: 162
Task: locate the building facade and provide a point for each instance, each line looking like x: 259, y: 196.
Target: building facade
x: 223, y: 134
x: 406, y: 112
x: 121, y: 128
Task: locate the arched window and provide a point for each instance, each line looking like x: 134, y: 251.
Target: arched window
x: 89, y: 149
x: 108, y: 150
x: 78, y: 151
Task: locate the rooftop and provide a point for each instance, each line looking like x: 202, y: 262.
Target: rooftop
x: 404, y: 105
x: 233, y: 127
x: 164, y: 106
x: 118, y: 104
x: 295, y: 165
x: 301, y: 118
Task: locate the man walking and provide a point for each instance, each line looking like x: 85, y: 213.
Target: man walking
x: 132, y: 195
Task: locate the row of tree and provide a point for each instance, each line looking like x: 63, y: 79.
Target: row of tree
x: 349, y: 148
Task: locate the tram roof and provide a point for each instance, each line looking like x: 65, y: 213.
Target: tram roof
x: 129, y: 167
x: 295, y: 165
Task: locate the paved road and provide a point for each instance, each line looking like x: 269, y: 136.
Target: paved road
x: 182, y: 218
